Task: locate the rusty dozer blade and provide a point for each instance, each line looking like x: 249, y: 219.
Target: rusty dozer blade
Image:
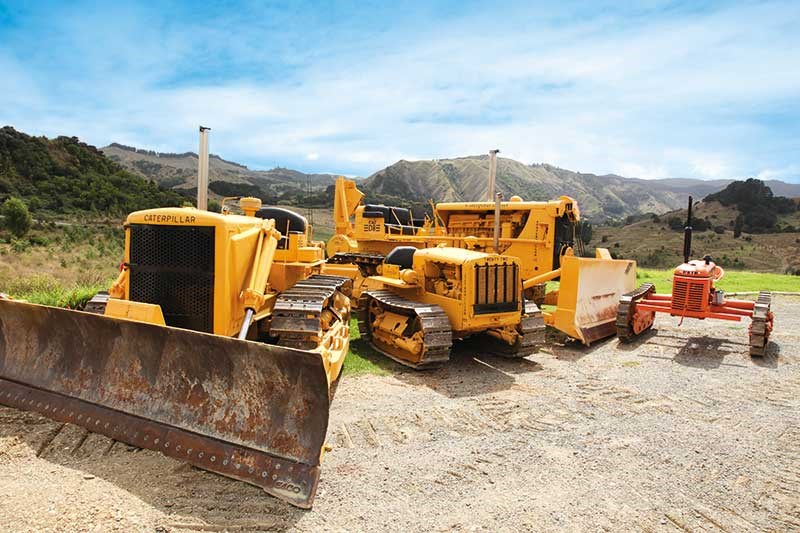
x: 588, y: 295
x: 249, y: 411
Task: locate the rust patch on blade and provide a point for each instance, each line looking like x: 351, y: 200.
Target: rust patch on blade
x: 290, y: 481
x: 266, y: 398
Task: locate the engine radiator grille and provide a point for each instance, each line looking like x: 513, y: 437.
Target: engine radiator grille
x: 496, y: 288
x: 687, y: 296
x: 173, y: 266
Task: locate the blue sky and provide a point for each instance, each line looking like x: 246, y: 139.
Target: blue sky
x: 650, y: 89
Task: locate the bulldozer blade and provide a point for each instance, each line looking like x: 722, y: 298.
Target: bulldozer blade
x: 588, y: 296
x: 245, y: 410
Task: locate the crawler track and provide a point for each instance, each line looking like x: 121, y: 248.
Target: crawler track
x: 761, y: 325
x: 532, y: 331
x: 437, y: 335
x: 298, y: 315
x: 627, y: 307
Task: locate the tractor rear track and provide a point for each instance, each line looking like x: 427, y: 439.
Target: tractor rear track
x: 762, y: 324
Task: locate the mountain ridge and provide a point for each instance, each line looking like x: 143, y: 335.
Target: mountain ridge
x: 600, y: 197
x: 413, y: 183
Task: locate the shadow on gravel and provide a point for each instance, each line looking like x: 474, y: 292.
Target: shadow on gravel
x: 470, y: 373
x: 770, y: 359
x: 573, y: 351
x: 703, y: 352
x: 711, y: 352
x: 635, y: 343
x: 190, y: 498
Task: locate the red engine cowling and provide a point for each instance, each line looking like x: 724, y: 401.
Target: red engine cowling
x: 692, y: 284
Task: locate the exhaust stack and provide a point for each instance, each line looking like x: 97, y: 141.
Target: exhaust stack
x: 202, y: 170
x: 492, y: 171
x: 497, y: 201
x: 687, y: 234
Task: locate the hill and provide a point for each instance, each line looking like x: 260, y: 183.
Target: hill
x: 64, y: 176
x: 744, y: 226
x: 599, y: 197
x: 465, y: 179
x: 179, y: 172
x: 413, y: 183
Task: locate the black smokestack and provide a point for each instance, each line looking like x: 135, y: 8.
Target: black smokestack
x: 687, y: 234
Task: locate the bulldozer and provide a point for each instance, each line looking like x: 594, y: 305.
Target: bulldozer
x: 423, y: 299
x: 366, y: 233
x: 694, y: 296
x: 541, y: 234
x: 218, y: 344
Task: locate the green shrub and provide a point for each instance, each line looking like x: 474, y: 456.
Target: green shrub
x: 16, y: 216
x: 20, y: 245
x: 39, y: 240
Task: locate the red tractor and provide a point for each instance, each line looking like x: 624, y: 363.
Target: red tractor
x: 694, y: 296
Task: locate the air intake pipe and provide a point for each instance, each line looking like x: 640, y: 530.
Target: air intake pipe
x: 687, y: 234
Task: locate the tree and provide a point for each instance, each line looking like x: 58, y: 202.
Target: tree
x: 214, y: 206
x: 737, y: 226
x: 35, y: 204
x: 675, y: 223
x: 584, y: 231
x: 17, y: 217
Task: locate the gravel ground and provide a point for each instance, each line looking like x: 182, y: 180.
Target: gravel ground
x: 682, y: 430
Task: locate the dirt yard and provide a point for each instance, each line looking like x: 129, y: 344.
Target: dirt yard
x: 681, y: 431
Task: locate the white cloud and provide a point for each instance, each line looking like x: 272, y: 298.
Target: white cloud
x: 667, y: 95
x: 792, y: 171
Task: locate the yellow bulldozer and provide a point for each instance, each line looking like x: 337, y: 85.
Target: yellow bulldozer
x: 423, y: 299
x: 218, y: 345
x: 542, y: 235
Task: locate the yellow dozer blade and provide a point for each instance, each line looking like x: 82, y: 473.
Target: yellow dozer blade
x: 588, y: 295
x: 246, y: 410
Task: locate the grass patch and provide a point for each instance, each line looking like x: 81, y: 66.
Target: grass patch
x: 47, y: 290
x: 363, y: 359
x: 733, y: 281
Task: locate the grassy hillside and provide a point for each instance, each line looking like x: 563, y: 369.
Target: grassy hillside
x: 653, y: 243
x: 78, y: 199
x: 64, y: 176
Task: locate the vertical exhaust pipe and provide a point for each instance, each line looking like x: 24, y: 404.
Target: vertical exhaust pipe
x: 202, y: 170
x: 497, y: 200
x: 492, y: 172
x: 687, y: 234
